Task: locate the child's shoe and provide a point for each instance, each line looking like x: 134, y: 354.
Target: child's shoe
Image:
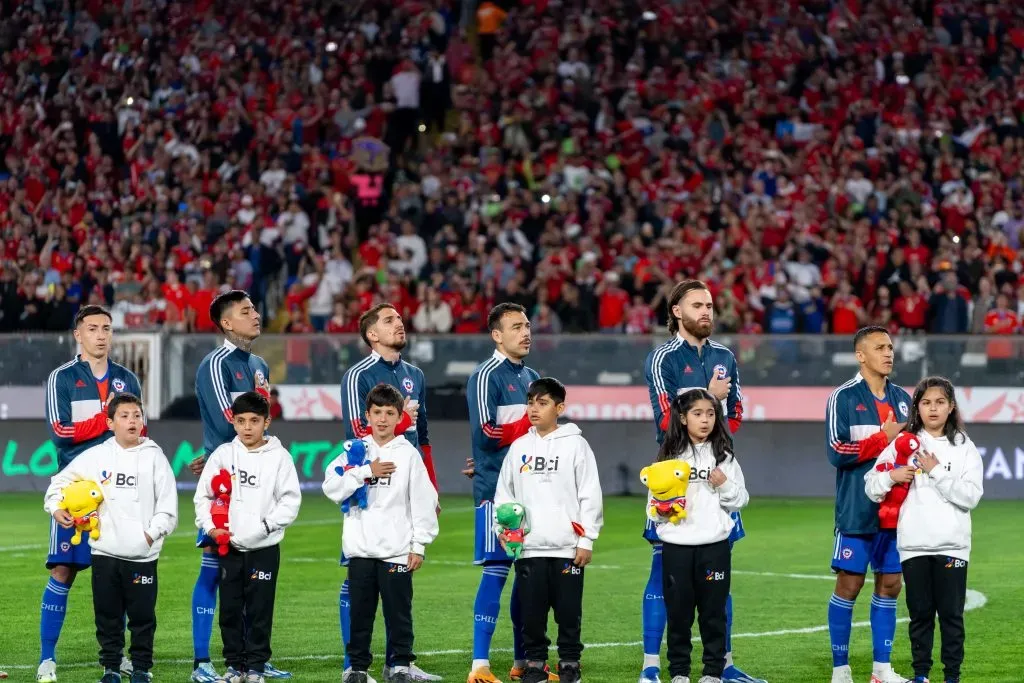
x: 569, y: 672
x: 111, y: 676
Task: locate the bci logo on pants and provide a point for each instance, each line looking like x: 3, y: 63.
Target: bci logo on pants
x: 257, y: 575
x: 142, y: 580
x: 953, y: 563
x: 715, y: 576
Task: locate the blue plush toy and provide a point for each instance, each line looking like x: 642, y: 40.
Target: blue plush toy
x: 356, y: 454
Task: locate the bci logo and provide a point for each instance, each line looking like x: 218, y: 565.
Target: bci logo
x: 124, y: 481
x: 379, y: 481
x: 700, y: 475
x: 247, y: 479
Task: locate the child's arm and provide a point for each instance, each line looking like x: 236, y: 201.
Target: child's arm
x: 588, y: 488
x: 877, y: 482
x: 505, y: 492
x: 339, y: 487
x: 289, y: 496
x: 204, y: 493
x: 732, y: 495
x: 422, y: 504
x: 165, y: 512
x: 966, y: 490
x: 76, y: 470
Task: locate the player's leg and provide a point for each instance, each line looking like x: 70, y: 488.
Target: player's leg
x: 732, y: 673
x: 652, y: 614
x: 679, y: 586
x: 949, y: 579
x: 713, y: 572
x: 64, y: 561
x: 204, y: 607
x: 565, y: 595
x: 850, y: 558
x: 885, y: 560
x: 109, y: 603
x: 496, y: 565
x: 139, y: 586
x: 917, y: 574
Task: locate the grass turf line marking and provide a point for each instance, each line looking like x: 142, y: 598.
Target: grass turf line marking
x: 975, y: 600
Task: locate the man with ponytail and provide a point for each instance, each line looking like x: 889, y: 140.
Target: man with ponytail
x: 690, y: 359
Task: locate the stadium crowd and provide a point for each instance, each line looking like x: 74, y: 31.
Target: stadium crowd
x: 821, y: 165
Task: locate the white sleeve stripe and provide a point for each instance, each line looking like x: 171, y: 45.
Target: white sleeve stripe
x: 216, y: 364
x: 51, y: 392
x: 482, y: 378
x: 352, y: 385
x: 659, y: 357
x: 830, y: 412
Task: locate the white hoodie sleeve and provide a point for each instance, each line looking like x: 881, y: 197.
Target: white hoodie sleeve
x: 165, y: 511
x: 588, y: 488
x: 287, y: 494
x: 79, y: 469
x: 732, y: 495
x: 204, y: 491
x: 505, y: 492
x: 964, y: 491
x: 339, y: 487
x: 877, y: 484
x: 422, y: 504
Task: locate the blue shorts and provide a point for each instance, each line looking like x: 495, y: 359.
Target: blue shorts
x: 487, y: 548
x: 62, y: 553
x: 343, y: 561
x: 651, y: 533
x: 853, y: 553
x: 204, y: 541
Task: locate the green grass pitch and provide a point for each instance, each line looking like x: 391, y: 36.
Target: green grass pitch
x: 780, y: 587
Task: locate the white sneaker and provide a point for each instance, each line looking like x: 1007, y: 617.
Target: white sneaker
x: 253, y: 677
x: 842, y: 674
x: 126, y: 667
x: 650, y: 675
x: 709, y: 679
x: 680, y: 679
x: 47, y: 671
x: 888, y: 676
x: 418, y: 674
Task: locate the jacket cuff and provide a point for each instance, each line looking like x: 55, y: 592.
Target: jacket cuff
x: 584, y: 543
x: 418, y: 549
x: 154, y: 532
x: 363, y: 472
x: 938, y: 473
x: 727, y: 489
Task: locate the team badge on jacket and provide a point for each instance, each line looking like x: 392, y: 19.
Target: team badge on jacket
x: 118, y: 384
x: 720, y: 371
x: 408, y: 385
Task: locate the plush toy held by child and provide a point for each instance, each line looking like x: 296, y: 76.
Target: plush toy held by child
x: 907, y: 445
x: 355, y: 451
x: 667, y: 481
x: 511, y: 519
x: 221, y: 486
x: 82, y: 501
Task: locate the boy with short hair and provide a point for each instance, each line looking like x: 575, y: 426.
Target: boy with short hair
x: 551, y: 471
x: 265, y: 499
x: 384, y: 543
x: 139, y: 508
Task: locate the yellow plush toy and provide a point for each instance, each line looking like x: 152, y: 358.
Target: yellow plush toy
x: 667, y: 481
x: 82, y: 501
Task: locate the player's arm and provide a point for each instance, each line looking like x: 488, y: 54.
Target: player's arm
x: 662, y: 386
x: 214, y: 392
x: 165, y: 511
x: 877, y: 482
x: 289, y: 497
x: 423, y: 432
x: 422, y: 504
x: 733, y: 495
x: 734, y: 402
x: 352, y: 392
x: 591, y: 498
x: 482, y: 394
x: 964, y: 491
x: 203, y: 498
x: 341, y: 481
x: 843, y: 451
x: 64, y: 431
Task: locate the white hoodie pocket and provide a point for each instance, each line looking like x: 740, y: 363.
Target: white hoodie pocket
x: 932, y: 524
x: 133, y: 543
x: 551, y: 529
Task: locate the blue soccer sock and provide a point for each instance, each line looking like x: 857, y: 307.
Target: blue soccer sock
x: 486, y: 607
x: 883, y: 627
x: 51, y: 619
x: 516, y: 614
x: 204, y: 605
x: 344, y: 618
x: 653, y: 611
x: 840, y: 624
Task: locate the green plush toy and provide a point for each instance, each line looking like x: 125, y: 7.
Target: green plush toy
x: 511, y: 517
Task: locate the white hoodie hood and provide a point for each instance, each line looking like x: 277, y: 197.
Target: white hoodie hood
x: 139, y: 497
x: 555, y: 477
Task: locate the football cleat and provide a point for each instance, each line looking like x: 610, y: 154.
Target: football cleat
x: 271, y: 671
x: 204, y: 673
x: 842, y: 674
x: 47, y: 672
x: 650, y: 675
x: 482, y: 675
x: 734, y: 675
x: 889, y: 676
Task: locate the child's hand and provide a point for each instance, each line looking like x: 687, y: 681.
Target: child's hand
x: 902, y: 475
x: 217, y: 533
x: 717, y: 477
x: 149, y: 539
x: 382, y: 469
x: 64, y: 518
x: 415, y: 562
x: 583, y: 557
x: 927, y: 461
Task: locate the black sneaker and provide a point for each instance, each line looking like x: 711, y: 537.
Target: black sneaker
x: 356, y: 677
x: 569, y: 672
x: 111, y: 676
x: 534, y: 674
x: 400, y: 677
x: 141, y: 676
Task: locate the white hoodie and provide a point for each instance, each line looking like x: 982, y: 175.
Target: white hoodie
x: 139, y: 497
x: 708, y: 509
x: 935, y: 519
x: 401, y: 510
x: 265, y: 494
x: 555, y: 478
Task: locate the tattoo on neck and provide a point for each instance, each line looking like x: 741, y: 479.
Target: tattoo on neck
x: 244, y: 344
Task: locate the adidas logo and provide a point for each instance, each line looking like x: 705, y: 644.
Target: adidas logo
x: 238, y: 375
x: 79, y: 384
x: 861, y: 408
x: 688, y: 370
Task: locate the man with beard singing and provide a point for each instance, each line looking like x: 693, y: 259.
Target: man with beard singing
x: 382, y: 329
x: 689, y: 359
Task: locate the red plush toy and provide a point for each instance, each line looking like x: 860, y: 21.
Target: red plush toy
x: 906, y: 446
x: 221, y: 485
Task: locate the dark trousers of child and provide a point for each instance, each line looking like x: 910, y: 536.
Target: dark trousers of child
x: 368, y: 581
x: 546, y: 584
x: 121, y: 587
x: 248, y: 585
x: 936, y: 585
x: 696, y: 577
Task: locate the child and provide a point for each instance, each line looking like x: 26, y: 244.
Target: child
x: 696, y: 555
x: 265, y: 499
x: 139, y: 508
x: 552, y: 472
x: 384, y: 542
x: 933, y: 533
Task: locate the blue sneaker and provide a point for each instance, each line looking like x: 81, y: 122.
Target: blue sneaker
x: 204, y: 673
x: 271, y: 671
x: 921, y: 679
x: 734, y: 675
x: 650, y: 675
